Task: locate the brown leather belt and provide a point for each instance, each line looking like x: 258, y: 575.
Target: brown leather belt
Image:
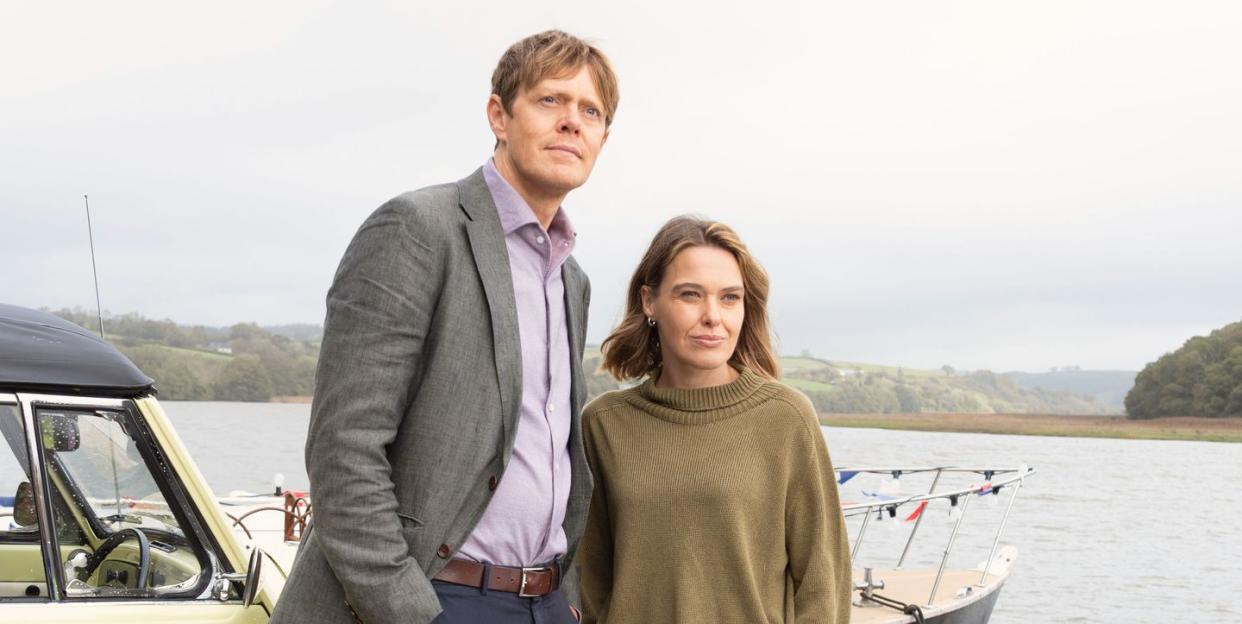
x: 525, y: 582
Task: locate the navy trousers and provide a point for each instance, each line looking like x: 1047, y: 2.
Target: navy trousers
x: 473, y: 605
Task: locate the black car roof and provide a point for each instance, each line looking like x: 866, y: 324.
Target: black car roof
x: 42, y: 352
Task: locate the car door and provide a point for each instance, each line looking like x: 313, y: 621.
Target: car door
x: 102, y: 530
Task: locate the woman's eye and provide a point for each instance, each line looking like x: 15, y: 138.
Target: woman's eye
x: 690, y: 294
x: 592, y: 111
x: 548, y: 99
x: 733, y: 297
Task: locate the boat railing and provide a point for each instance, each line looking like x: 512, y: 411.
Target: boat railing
x: 294, y: 506
x: 994, y: 481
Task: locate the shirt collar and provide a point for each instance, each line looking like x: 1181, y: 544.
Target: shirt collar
x: 515, y: 213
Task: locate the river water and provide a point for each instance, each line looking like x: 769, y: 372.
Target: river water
x: 1107, y: 530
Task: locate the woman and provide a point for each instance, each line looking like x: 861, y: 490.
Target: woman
x: 714, y: 496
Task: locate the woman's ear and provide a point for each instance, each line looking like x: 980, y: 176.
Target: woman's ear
x: 648, y: 309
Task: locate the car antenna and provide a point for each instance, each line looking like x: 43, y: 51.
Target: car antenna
x: 94, y: 271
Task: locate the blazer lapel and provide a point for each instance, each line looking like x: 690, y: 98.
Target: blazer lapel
x: 491, y: 257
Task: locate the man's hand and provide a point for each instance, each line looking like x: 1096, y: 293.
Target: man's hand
x: 577, y: 614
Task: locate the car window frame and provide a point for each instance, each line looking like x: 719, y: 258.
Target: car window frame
x: 169, y: 483
x: 18, y: 536
x: 35, y: 537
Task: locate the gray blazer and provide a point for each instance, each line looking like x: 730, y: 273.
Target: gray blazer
x: 416, y: 406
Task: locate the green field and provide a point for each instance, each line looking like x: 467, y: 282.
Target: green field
x: 213, y: 356
x: 807, y: 385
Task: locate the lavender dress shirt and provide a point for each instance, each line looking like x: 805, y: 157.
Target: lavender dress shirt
x: 522, y: 524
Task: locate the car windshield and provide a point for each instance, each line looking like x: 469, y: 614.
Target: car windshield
x: 104, y: 470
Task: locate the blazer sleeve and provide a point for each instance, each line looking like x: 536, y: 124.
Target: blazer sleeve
x: 379, y: 309
x: 595, y: 558
x: 816, y: 541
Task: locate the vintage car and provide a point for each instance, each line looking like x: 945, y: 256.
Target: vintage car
x: 103, y: 515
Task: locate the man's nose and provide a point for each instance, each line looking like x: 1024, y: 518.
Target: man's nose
x: 571, y: 121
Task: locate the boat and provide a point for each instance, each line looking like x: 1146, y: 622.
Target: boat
x: 901, y: 593
x: 271, y: 522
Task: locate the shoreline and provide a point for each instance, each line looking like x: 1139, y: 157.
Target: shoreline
x: 1180, y: 428
x: 297, y: 398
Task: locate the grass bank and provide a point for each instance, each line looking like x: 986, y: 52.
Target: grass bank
x: 1199, y: 429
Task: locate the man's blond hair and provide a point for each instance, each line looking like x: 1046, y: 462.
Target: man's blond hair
x: 553, y: 54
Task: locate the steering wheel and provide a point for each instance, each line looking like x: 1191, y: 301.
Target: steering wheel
x: 110, y: 544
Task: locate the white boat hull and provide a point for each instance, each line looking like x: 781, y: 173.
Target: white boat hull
x: 963, y: 597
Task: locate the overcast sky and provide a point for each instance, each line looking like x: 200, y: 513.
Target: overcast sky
x: 983, y: 184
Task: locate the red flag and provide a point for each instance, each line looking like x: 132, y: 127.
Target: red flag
x: 917, y: 512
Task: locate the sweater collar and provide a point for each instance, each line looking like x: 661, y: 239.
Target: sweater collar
x: 699, y: 406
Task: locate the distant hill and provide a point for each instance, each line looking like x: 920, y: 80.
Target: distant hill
x: 297, y: 331
x: 246, y: 362
x: 1107, y: 387
x: 859, y: 388
x: 1202, y: 378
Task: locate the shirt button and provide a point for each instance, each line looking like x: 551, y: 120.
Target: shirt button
x: 539, y: 239
x: 492, y: 482
x: 444, y: 551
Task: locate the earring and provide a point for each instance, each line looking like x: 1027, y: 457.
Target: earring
x: 650, y: 321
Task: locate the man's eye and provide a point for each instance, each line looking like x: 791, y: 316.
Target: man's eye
x: 592, y: 111
x: 548, y: 99
x: 690, y: 294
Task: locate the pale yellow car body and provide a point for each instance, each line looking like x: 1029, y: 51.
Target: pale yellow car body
x: 119, y: 611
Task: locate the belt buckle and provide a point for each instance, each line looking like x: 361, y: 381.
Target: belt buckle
x: 522, y: 588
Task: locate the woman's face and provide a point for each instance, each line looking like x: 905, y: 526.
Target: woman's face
x: 698, y: 313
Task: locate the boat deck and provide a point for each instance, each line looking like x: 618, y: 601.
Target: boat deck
x: 914, y: 586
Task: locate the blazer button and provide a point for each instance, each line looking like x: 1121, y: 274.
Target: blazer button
x: 492, y: 482
x: 444, y: 551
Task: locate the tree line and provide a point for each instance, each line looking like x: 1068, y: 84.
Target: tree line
x: 1202, y: 378
x: 831, y: 390
x: 244, y: 362
x: 976, y: 392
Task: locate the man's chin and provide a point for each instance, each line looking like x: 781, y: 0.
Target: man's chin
x: 563, y: 181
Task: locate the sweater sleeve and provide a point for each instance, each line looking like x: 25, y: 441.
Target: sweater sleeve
x: 595, y: 554
x: 815, y: 535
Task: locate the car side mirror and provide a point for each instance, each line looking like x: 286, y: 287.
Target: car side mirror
x: 60, y: 432
x: 253, y: 570
x: 249, y: 579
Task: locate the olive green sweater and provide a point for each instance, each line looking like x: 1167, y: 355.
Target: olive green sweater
x: 712, y: 505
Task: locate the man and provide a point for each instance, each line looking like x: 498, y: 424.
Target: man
x: 444, y: 451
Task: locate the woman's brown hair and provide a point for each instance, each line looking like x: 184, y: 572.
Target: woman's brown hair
x: 632, y: 350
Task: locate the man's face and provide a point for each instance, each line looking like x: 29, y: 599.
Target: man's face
x: 551, y: 140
